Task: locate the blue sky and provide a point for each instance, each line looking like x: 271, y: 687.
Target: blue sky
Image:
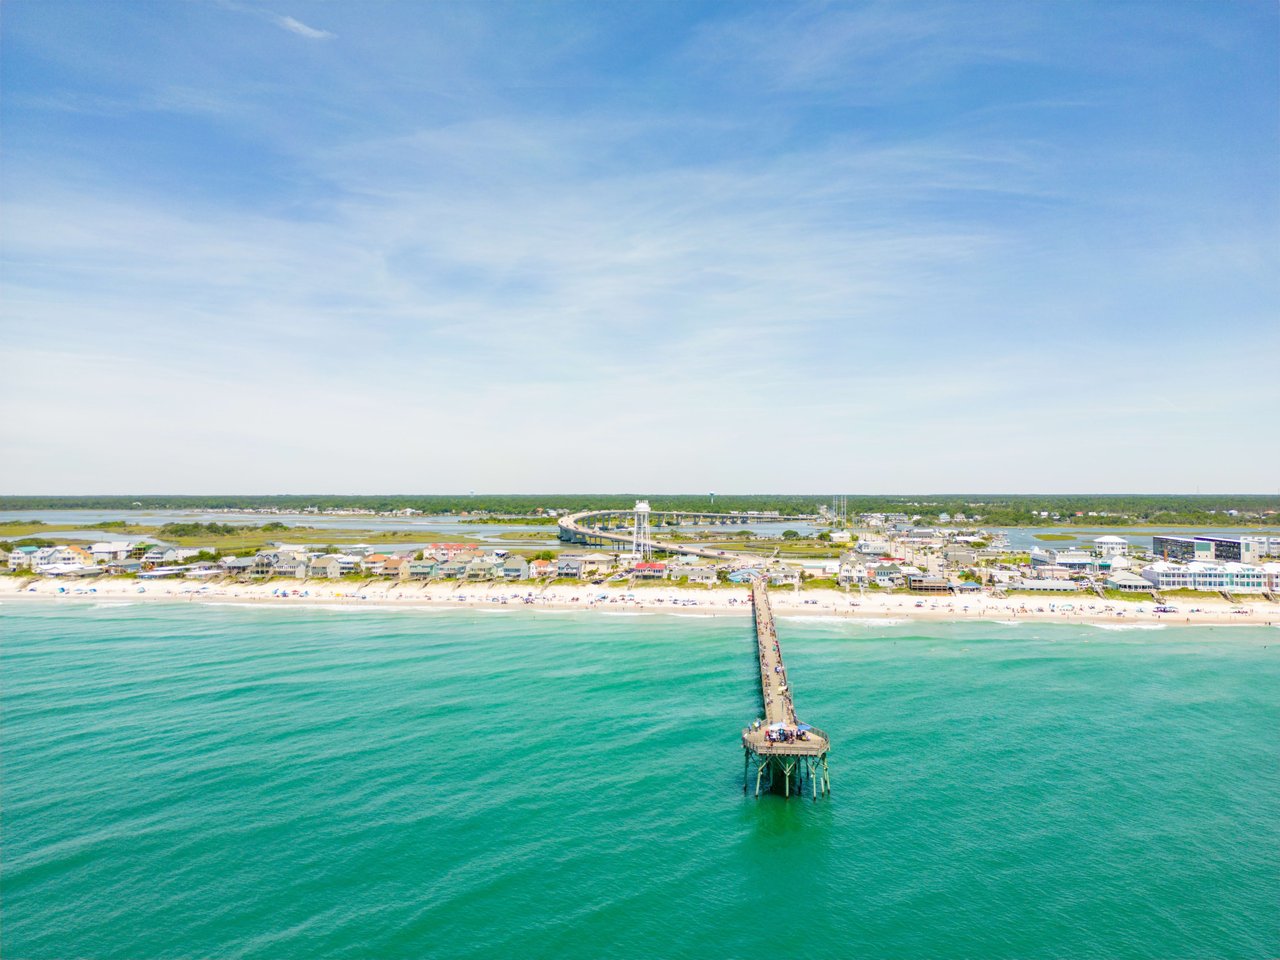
x: 873, y: 247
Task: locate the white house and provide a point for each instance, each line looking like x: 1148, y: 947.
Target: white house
x: 851, y: 573
x: 35, y: 558
x: 698, y: 573
x: 109, y: 550
x: 76, y: 556
x: 290, y: 565
x: 1271, y: 572
x: 1110, y: 546
x: 169, y: 555
x: 1076, y: 560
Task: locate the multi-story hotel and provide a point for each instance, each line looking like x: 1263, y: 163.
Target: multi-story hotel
x: 1222, y: 549
x: 1199, y: 575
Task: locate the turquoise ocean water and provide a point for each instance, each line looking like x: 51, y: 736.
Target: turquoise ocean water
x: 202, y: 781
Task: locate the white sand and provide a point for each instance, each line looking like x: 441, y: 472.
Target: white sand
x: 873, y: 607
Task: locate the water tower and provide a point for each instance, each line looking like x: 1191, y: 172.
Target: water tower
x: 641, y: 545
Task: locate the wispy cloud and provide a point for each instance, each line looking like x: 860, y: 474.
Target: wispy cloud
x: 517, y: 249
x: 292, y: 24
x: 300, y: 28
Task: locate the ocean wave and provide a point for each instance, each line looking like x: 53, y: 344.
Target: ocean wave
x: 1130, y: 626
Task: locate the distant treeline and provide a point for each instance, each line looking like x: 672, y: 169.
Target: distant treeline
x: 1111, y: 510
x: 995, y: 509
x: 512, y: 504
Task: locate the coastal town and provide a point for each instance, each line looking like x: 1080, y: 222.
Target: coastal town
x: 869, y: 563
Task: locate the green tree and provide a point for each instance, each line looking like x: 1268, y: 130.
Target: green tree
x: 790, y: 534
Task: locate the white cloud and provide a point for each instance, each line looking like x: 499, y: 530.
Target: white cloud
x: 301, y: 29
x: 457, y: 303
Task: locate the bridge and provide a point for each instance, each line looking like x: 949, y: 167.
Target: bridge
x: 617, y: 528
x: 785, y: 751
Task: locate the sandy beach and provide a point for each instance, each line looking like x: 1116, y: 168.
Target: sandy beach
x: 648, y: 599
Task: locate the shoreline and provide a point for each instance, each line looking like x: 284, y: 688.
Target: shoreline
x: 681, y: 601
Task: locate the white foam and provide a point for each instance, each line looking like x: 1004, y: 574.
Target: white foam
x: 1129, y: 626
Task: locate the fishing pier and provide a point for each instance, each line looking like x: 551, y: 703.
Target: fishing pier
x: 784, y: 751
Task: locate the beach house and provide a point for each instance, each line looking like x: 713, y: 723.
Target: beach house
x: 108, y: 550
x: 481, y: 568
x: 884, y: 574
x: 851, y: 572
x: 1127, y: 582
x: 397, y: 567
x: 452, y: 569
x: 20, y: 557
x: 597, y: 563
x: 42, y: 557
x: 780, y: 574
x: 423, y: 569
x: 290, y: 565
x: 569, y: 565
x: 699, y: 573
x: 327, y: 567
x: 373, y: 563
x: 71, y: 554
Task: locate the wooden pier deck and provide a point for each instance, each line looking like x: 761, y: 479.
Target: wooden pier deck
x: 780, y: 744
